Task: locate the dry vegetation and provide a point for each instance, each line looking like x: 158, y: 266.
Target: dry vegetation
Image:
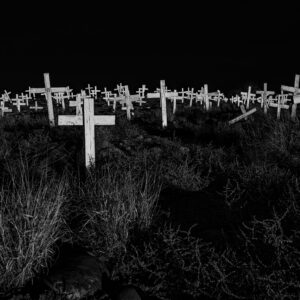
x: 46, y: 198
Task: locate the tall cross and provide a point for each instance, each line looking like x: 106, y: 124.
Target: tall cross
x: 89, y: 121
x: 264, y: 97
x: 296, y: 95
x: 162, y: 94
x: 48, y: 90
x: 207, y: 95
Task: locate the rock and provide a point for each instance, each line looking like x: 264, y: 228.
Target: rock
x: 127, y: 293
x: 77, y: 275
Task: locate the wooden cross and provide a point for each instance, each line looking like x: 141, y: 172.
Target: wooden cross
x: 247, y: 96
x: 141, y: 92
x: 48, y: 90
x: 280, y: 104
x: 18, y: 102
x: 120, y: 89
x: 162, y: 94
x: 60, y: 98
x: 4, y: 109
x: 26, y: 98
x: 264, y: 97
x: 243, y: 116
x: 89, y: 88
x: 207, y: 96
x: 94, y: 92
x: 78, y: 104
x: 174, y: 99
x: 88, y: 120
x: 296, y: 95
x: 217, y: 97
x: 128, y: 107
x: 5, y: 97
x: 36, y: 107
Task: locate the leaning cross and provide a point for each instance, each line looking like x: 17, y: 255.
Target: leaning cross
x: 243, y: 116
x: 48, y: 90
x: 296, y: 95
x: 88, y: 120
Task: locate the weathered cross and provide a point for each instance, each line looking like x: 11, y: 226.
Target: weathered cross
x: 18, y: 102
x: 88, y: 120
x: 246, y: 97
x: 281, y: 99
x: 36, y: 107
x: 78, y: 104
x: 128, y: 102
x: 3, y: 108
x: 141, y: 92
x: 243, y: 116
x: 207, y: 96
x: 162, y: 94
x: 264, y: 97
x: 48, y: 90
x: 296, y: 95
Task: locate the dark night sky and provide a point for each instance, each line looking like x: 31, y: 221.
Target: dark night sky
x: 225, y: 46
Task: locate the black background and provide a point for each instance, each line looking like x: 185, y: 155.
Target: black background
x: 227, y: 46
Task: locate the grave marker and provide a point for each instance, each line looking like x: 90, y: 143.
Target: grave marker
x: 89, y: 121
x: 264, y: 97
x: 3, y: 108
x: 280, y: 104
x: 162, y: 94
x: 78, y: 104
x: 36, y: 107
x: 18, y: 102
x: 243, y: 116
x: 296, y: 95
x: 48, y: 90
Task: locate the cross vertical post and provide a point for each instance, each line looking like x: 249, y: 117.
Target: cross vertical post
x: 163, y: 104
x: 49, y: 99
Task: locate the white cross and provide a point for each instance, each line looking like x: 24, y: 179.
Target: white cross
x: 281, y: 99
x: 48, y: 90
x: 36, y: 107
x: 246, y: 97
x: 78, y: 104
x: 94, y: 92
x: 128, y: 103
x: 5, y: 97
x: 264, y: 97
x: 88, y: 120
x: 26, y: 98
x: 18, y: 102
x: 243, y: 116
x: 4, y: 109
x: 207, y: 96
x: 162, y: 94
x: 296, y: 95
x: 120, y: 89
x: 141, y: 92
x: 60, y: 99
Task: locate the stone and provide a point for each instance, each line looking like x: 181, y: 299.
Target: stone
x: 76, y: 275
